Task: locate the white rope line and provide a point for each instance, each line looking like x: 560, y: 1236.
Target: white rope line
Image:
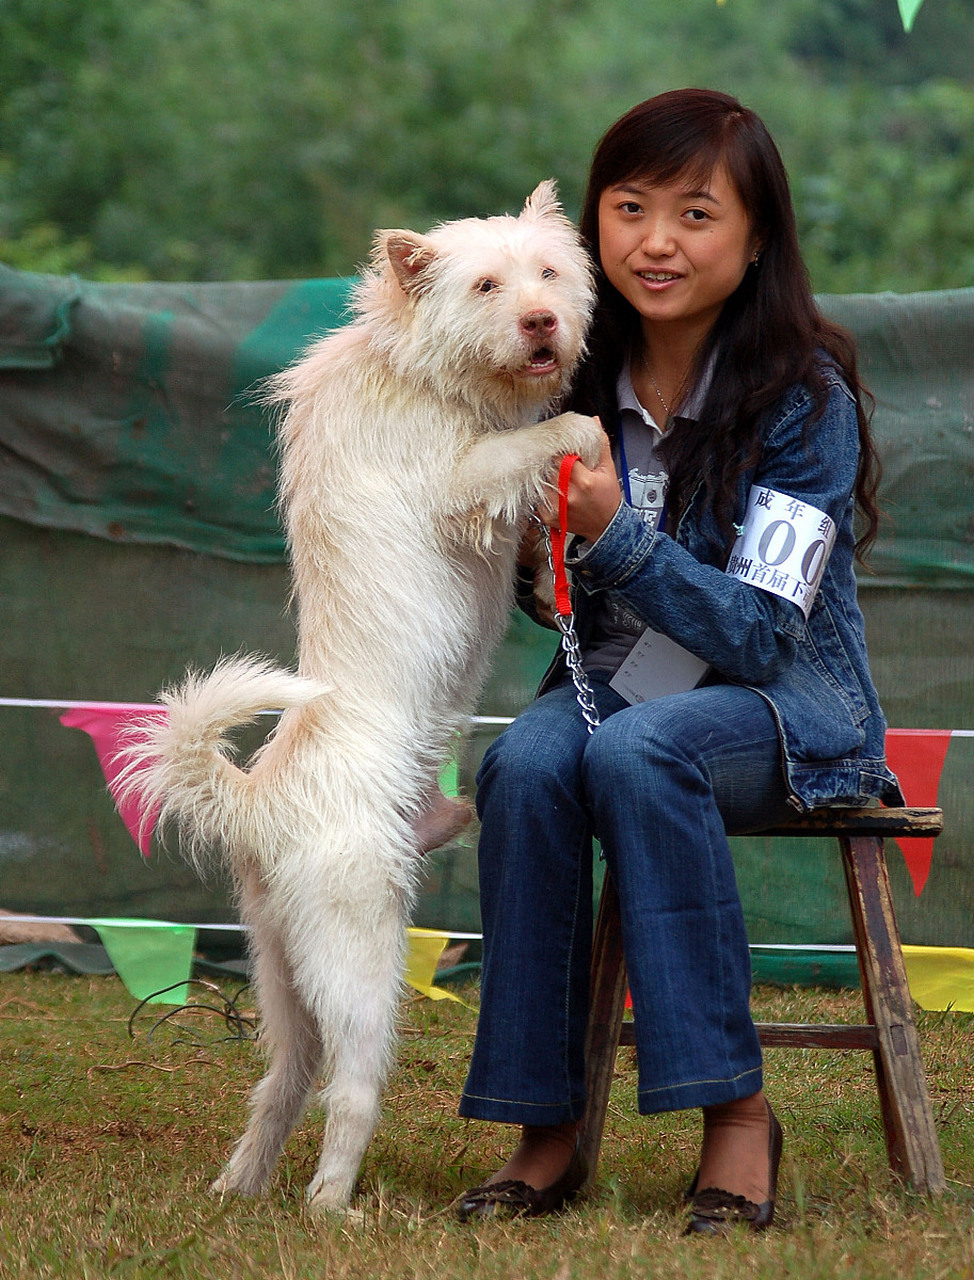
x: 126, y: 922
x: 61, y: 704
x: 66, y: 705
x: 802, y: 946
x: 446, y: 933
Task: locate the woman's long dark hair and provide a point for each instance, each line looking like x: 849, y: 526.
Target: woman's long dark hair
x: 770, y: 334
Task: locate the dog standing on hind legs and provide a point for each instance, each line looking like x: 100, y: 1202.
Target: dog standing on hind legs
x: 411, y: 456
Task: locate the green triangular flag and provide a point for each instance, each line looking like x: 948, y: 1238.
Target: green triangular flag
x: 908, y: 12
x: 449, y: 780
x: 149, y: 956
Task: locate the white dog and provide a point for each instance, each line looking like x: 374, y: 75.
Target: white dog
x: 412, y: 456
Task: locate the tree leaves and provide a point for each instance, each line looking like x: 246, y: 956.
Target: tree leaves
x: 206, y: 139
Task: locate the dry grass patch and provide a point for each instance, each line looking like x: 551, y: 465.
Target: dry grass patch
x: 108, y: 1142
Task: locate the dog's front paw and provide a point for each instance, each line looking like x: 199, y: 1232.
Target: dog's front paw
x: 583, y: 436
x: 592, y: 442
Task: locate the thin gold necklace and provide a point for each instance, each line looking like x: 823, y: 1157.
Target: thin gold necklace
x: 666, y: 407
x: 649, y: 373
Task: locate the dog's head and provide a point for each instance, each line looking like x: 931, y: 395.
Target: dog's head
x: 494, y: 310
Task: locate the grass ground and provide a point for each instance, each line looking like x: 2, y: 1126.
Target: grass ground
x: 108, y: 1140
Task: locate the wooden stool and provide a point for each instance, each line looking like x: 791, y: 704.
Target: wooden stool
x: 890, y: 1032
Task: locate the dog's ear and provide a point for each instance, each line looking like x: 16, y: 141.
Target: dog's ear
x: 409, y: 256
x: 543, y: 200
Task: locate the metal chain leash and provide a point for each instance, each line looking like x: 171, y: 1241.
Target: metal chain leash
x: 569, y: 643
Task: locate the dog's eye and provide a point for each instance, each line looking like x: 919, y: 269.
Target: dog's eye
x: 487, y: 285
x: 549, y: 273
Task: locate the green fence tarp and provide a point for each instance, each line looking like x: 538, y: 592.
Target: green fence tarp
x: 138, y: 535
x: 129, y: 411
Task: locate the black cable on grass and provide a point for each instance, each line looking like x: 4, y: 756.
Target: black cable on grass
x: 239, y: 1026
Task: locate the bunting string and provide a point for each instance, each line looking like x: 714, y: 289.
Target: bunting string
x: 146, y: 951
x: 154, y: 958
x: 67, y: 704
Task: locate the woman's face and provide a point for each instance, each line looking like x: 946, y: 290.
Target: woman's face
x: 676, y: 252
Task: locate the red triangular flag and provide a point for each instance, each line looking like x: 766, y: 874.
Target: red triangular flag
x: 917, y: 757
x: 107, y: 727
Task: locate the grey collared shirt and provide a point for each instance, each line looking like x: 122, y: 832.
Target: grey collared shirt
x: 644, y: 487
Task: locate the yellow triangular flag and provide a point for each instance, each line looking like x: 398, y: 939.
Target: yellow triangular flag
x: 425, y: 948
x: 941, y: 977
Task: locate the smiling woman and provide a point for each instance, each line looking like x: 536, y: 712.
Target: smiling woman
x: 730, y: 692
x: 675, y: 252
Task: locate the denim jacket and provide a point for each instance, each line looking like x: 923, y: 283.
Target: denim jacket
x: 814, y: 675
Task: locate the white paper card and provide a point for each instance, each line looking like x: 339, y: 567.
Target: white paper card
x: 784, y: 546
x: 656, y: 666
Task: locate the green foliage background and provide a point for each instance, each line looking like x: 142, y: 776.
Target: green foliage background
x: 248, y: 139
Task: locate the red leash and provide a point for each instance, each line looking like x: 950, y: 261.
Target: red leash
x: 563, y: 602
x: 564, y: 617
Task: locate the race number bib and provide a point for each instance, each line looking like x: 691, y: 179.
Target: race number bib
x: 784, y: 546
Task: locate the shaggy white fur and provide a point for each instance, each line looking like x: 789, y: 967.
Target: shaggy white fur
x: 412, y: 456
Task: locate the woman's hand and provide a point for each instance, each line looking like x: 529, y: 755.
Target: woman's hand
x: 593, y: 498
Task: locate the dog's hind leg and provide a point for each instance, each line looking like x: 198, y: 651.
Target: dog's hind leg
x: 440, y: 819
x: 294, y: 1043
x: 363, y: 1025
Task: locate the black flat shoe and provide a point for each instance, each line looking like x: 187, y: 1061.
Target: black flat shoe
x: 514, y: 1199
x: 714, y: 1211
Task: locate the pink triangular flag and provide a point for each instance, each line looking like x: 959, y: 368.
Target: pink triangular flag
x: 107, y: 728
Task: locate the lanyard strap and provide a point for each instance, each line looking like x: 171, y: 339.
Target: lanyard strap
x: 623, y: 464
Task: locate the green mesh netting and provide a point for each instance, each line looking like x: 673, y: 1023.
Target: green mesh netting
x: 139, y: 534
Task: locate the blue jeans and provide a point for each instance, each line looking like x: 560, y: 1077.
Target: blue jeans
x: 660, y: 784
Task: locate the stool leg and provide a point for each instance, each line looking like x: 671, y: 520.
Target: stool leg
x: 911, y: 1136
x: 607, y: 1004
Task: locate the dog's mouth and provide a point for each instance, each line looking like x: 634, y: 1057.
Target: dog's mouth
x: 543, y: 361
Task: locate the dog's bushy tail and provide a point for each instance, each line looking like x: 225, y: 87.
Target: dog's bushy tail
x: 180, y: 767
